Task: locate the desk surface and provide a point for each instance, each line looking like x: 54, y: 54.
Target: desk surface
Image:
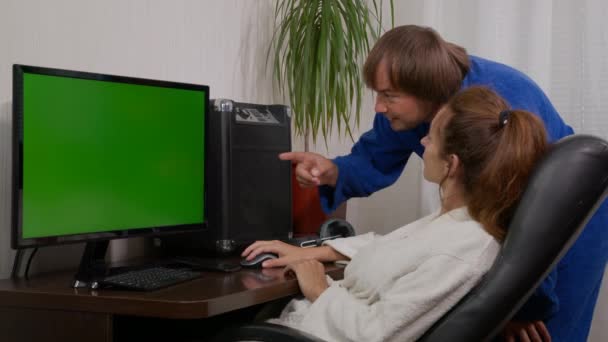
x: 211, y: 294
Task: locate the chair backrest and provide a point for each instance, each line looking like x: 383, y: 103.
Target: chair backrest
x: 563, y: 193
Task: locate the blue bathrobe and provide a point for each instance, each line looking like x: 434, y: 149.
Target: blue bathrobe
x: 380, y: 155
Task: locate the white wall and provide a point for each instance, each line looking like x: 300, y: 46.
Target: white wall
x: 218, y: 43
x: 221, y: 43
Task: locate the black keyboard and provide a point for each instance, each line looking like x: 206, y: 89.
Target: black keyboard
x: 148, y: 279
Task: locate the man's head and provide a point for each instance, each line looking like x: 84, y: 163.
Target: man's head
x: 414, y: 71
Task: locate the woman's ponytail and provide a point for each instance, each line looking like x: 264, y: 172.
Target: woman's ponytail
x: 498, y: 148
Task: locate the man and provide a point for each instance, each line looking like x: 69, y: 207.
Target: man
x: 414, y: 72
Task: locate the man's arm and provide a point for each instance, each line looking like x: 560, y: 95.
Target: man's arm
x: 543, y: 303
x: 375, y: 162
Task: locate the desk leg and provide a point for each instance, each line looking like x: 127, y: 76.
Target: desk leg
x: 19, y: 324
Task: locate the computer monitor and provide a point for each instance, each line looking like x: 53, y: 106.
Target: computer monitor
x: 99, y: 157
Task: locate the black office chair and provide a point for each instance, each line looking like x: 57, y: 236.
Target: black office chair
x: 563, y: 193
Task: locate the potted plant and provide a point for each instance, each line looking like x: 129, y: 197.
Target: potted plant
x: 319, y: 47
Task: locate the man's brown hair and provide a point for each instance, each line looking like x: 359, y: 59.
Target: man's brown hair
x: 419, y: 63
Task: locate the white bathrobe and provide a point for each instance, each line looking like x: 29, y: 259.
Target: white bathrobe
x: 396, y: 286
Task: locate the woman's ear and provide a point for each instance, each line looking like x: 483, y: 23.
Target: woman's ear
x: 454, y: 165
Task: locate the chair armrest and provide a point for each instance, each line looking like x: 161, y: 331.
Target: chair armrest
x: 265, y: 332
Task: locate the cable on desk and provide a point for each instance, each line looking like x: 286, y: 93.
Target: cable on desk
x: 17, y: 263
x: 29, y: 262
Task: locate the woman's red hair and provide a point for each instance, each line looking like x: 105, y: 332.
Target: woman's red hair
x: 497, y: 157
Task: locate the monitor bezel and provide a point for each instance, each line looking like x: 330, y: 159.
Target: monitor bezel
x: 17, y: 240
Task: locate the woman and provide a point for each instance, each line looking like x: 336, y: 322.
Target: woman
x: 396, y: 286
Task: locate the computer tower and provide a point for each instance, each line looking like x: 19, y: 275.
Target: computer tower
x: 248, y: 195
x: 249, y: 187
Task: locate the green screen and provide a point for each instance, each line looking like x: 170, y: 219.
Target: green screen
x: 103, y: 156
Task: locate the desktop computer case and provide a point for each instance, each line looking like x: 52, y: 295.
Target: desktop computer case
x: 248, y: 187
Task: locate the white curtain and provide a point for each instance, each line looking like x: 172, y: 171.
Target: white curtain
x: 561, y: 44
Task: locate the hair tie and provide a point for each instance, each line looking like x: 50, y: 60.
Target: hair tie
x: 503, y: 118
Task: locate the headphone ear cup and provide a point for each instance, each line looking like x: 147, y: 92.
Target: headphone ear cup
x: 336, y: 226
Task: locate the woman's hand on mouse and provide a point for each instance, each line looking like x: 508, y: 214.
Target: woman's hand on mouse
x: 287, y: 253
x: 311, y: 277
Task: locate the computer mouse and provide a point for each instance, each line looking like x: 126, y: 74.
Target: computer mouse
x: 258, y: 260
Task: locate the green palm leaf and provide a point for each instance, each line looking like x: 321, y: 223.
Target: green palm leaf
x: 318, y: 49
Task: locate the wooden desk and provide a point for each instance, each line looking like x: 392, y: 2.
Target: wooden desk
x: 47, y: 308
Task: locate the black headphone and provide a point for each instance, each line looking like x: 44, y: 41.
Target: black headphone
x: 331, y: 229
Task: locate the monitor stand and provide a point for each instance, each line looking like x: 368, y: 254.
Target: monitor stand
x: 92, y: 265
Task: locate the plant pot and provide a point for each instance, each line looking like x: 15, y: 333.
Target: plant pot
x: 306, y: 208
